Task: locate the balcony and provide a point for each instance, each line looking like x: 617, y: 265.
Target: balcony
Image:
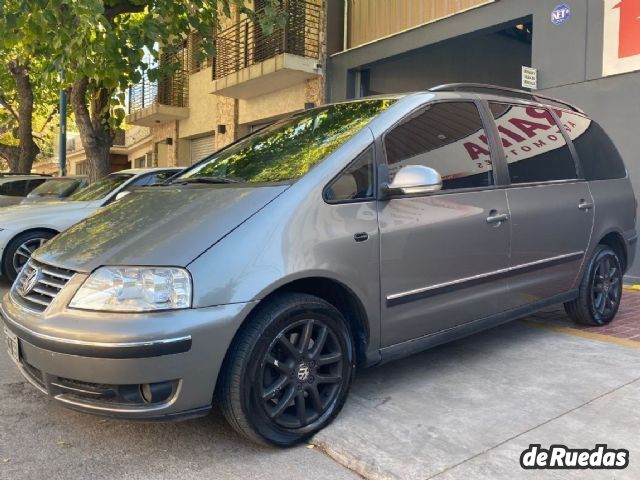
x: 155, y: 102
x: 250, y: 62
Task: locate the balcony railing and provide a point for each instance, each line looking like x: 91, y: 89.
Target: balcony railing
x: 245, y: 43
x: 171, y: 90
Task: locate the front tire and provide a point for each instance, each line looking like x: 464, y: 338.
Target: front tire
x: 20, y: 249
x: 600, y: 290
x: 288, y: 372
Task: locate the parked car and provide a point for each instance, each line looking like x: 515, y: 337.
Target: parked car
x: 23, y: 228
x: 346, y: 236
x: 56, y: 188
x: 15, y: 187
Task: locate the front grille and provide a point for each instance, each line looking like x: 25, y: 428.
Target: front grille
x: 38, y: 293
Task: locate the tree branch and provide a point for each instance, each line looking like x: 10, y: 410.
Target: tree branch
x: 47, y: 121
x: 122, y: 6
x: 5, y: 103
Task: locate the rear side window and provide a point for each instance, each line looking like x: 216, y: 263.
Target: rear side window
x: 355, y: 183
x: 598, y: 155
x: 448, y: 137
x: 534, y: 146
x: 33, y: 184
x: 16, y: 188
x: 152, y: 179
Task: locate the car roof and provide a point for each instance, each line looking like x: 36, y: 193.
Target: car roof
x: 69, y: 177
x: 4, y: 178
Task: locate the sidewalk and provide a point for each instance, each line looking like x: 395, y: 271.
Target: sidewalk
x: 468, y: 409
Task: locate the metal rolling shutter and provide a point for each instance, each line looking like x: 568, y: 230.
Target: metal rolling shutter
x: 201, y: 147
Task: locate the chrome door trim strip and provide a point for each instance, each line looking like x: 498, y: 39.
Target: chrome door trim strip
x: 440, y: 288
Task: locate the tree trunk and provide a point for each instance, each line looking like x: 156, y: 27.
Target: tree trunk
x: 28, y: 150
x: 11, y: 154
x: 92, y: 119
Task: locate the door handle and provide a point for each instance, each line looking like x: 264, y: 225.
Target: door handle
x: 361, y: 237
x: 497, y: 218
x: 584, y: 205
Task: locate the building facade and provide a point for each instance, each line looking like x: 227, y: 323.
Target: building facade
x: 132, y: 148
x: 255, y: 78
x: 585, y: 51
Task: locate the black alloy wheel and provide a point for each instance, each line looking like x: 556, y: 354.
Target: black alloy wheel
x: 606, y: 287
x: 301, y: 373
x: 600, y: 289
x: 288, y: 372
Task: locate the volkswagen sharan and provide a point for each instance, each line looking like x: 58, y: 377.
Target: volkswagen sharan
x: 343, y: 237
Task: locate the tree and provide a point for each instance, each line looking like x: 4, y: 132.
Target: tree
x: 101, y: 46
x: 28, y: 101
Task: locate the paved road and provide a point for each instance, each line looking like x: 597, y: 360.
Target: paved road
x: 463, y: 410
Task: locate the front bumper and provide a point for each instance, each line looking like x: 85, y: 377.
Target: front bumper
x: 98, y: 362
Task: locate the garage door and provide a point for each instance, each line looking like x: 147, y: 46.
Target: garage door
x: 201, y: 147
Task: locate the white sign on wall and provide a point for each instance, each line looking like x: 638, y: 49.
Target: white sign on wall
x: 529, y: 78
x: 621, y: 47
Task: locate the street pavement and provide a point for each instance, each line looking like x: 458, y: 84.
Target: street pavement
x: 463, y: 410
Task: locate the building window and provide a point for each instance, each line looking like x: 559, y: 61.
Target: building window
x: 145, y: 161
x: 81, y: 168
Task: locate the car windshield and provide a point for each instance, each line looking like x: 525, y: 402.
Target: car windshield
x: 286, y: 150
x: 56, y: 187
x: 101, y: 188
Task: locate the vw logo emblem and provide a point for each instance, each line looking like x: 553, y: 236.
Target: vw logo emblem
x: 29, y: 282
x: 303, y: 372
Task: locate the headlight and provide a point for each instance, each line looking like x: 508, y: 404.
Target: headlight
x: 134, y: 289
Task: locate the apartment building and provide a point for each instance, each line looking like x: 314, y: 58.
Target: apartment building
x: 254, y: 79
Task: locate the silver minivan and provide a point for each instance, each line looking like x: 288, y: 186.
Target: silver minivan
x: 343, y: 237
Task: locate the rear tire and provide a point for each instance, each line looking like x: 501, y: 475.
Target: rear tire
x: 288, y: 372
x: 19, y: 251
x: 600, y: 290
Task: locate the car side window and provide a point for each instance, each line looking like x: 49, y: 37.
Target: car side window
x: 598, y: 155
x: 448, y: 137
x: 33, y: 184
x: 16, y: 188
x: 355, y: 182
x: 141, y: 181
x: 535, y: 149
x: 150, y: 179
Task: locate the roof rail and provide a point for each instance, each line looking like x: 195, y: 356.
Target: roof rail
x: 461, y: 87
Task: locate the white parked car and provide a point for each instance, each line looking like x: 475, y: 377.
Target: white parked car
x: 24, y: 228
x: 14, y: 187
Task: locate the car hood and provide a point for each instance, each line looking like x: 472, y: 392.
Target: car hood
x: 43, y: 214
x: 156, y: 226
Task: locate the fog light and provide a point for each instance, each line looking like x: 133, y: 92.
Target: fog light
x: 156, y: 392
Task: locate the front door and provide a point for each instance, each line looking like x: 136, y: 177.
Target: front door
x: 551, y: 209
x: 443, y: 255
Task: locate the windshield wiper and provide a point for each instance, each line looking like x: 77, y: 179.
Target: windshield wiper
x: 207, y: 180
